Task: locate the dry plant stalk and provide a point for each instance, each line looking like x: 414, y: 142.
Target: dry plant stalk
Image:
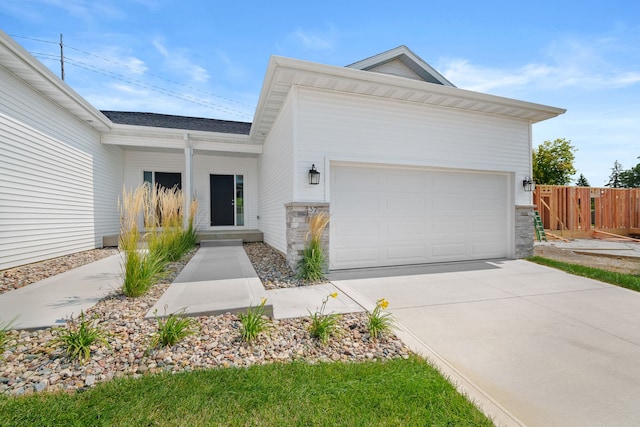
x: 317, y: 224
x: 130, y: 207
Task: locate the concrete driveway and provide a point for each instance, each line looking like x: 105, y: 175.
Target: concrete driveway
x: 530, y: 344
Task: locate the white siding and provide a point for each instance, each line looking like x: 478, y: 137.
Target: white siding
x: 203, y: 165
x: 276, y: 176
x: 360, y: 128
x: 58, y: 184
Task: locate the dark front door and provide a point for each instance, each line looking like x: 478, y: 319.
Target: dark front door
x: 222, y: 199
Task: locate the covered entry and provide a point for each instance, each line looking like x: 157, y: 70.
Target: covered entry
x: 384, y: 216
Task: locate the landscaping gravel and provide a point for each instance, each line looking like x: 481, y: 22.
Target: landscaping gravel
x: 272, y: 267
x: 31, y: 364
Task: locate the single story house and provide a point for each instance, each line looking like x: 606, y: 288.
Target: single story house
x: 411, y: 169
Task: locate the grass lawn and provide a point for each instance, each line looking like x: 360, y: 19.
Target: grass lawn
x: 628, y: 281
x: 392, y: 393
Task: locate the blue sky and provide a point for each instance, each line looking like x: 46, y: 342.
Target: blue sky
x: 208, y: 58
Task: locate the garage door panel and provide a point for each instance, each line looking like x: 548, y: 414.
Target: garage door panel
x: 402, y: 204
x: 444, y: 252
x: 416, y: 216
x: 405, y: 254
x: 364, y: 230
x: 487, y: 249
x: 450, y: 206
x: 350, y: 258
x: 406, y: 181
x: 355, y: 203
x: 404, y: 229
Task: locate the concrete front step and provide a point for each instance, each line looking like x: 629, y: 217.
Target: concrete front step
x: 220, y: 242
x: 246, y: 236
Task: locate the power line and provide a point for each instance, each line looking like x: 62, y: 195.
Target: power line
x: 139, y: 83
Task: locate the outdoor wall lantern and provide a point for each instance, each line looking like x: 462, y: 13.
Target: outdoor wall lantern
x: 528, y: 184
x: 314, y: 175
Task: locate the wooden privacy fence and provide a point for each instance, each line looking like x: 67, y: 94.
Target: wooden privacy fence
x: 578, y: 211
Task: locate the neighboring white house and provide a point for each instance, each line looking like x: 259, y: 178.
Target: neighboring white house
x: 412, y: 169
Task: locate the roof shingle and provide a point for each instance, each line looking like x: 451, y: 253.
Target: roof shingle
x: 178, y: 122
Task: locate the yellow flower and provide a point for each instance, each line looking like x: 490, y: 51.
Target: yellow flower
x: 383, y: 303
x: 263, y: 301
x: 334, y: 295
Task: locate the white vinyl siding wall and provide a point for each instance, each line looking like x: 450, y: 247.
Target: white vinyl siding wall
x: 366, y: 129
x: 276, y: 177
x: 59, y: 185
x: 203, y: 165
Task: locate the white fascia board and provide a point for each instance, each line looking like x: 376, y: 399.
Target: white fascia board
x: 267, y: 85
x: 37, y: 75
x: 154, y: 137
x: 386, y: 79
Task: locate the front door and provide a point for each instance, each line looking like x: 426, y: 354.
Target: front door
x: 222, y: 199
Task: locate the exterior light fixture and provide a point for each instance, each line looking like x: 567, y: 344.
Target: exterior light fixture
x: 314, y: 176
x: 528, y: 184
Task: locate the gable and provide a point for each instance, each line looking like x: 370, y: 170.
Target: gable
x: 396, y: 68
x: 402, y: 62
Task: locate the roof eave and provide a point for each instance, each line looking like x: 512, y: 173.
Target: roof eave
x: 18, y: 61
x: 531, y: 112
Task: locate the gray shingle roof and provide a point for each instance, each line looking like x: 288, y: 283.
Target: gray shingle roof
x: 177, y: 122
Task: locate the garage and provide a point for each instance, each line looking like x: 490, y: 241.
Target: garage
x: 387, y: 216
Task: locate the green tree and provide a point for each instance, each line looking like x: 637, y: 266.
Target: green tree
x: 582, y: 181
x: 553, y: 162
x: 630, y: 178
x: 614, y: 178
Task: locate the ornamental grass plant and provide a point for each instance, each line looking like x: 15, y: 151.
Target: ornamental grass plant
x: 312, y: 264
x: 173, y: 329
x: 141, y: 268
x: 78, y: 338
x: 167, y: 240
x: 253, y: 322
x: 378, y: 322
x: 323, y: 326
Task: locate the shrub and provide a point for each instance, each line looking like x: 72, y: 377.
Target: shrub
x: 173, y: 329
x: 324, y: 325
x: 253, y: 322
x: 78, y: 339
x: 380, y: 323
x: 312, y: 264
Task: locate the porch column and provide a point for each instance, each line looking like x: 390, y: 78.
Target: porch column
x: 188, y: 178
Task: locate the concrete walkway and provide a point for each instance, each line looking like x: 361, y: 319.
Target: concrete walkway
x: 221, y: 279
x: 532, y: 345
x: 51, y: 301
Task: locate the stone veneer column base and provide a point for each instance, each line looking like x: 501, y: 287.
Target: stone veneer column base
x: 524, y: 231
x: 298, y: 214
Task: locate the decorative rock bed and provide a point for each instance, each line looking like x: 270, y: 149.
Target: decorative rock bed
x: 31, y: 364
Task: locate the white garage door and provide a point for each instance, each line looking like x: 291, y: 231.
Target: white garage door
x: 383, y: 216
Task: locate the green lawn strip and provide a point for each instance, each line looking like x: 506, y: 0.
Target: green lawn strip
x: 628, y: 281
x: 391, y: 393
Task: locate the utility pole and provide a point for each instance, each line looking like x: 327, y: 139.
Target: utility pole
x: 61, y: 58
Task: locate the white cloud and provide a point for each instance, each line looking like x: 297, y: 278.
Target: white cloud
x: 316, y: 40
x: 177, y: 60
x: 569, y: 63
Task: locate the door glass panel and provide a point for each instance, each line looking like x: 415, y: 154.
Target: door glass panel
x: 239, y: 200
